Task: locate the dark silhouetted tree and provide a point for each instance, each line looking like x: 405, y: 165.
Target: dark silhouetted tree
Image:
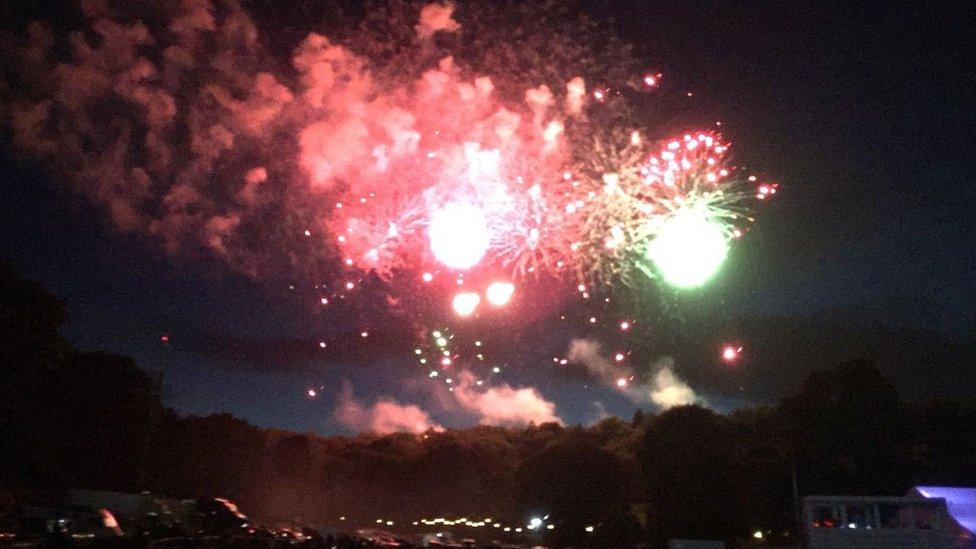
x: 691, y: 475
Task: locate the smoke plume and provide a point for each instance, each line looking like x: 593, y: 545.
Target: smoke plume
x: 383, y: 417
x: 662, y: 387
x: 504, y: 405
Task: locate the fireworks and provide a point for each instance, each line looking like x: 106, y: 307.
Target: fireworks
x: 629, y: 209
x: 601, y: 207
x: 479, y: 187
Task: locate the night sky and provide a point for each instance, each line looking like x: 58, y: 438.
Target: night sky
x: 864, y: 113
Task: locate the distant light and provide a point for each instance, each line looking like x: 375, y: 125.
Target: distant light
x: 757, y: 534
x: 311, y: 393
x: 622, y: 382
x: 441, y: 341
x: 350, y: 285
x: 550, y: 527
x: 619, y: 357
x: 500, y: 293
x: 427, y: 277
x: 496, y: 369
x: 308, y: 233
x: 535, y: 522
x: 325, y: 301
x: 625, y: 325
x: 322, y: 344
x: 465, y: 303
x: 589, y: 529
x: 364, y: 334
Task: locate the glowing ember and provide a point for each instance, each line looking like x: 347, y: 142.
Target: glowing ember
x: 730, y: 353
x: 465, y: 303
x: 500, y: 293
x: 459, y: 235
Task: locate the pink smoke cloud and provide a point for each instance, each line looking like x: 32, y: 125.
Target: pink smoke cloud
x: 504, y: 405
x: 385, y: 416
x: 436, y: 17
x: 661, y: 387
